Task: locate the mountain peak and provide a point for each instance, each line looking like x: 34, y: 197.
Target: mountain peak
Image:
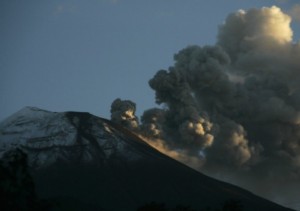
x: 90, y: 160
x: 50, y: 137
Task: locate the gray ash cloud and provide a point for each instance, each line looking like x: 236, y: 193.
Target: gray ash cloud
x: 235, y: 105
x: 123, y: 112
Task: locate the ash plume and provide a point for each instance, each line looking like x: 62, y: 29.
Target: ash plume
x: 235, y: 106
x: 123, y: 113
x: 151, y: 123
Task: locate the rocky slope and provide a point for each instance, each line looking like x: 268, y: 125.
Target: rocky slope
x: 86, y: 162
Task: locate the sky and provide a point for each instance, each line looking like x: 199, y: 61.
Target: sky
x: 81, y: 55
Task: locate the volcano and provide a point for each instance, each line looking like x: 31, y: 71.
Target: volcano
x: 89, y: 163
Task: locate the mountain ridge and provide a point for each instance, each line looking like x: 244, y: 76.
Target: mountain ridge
x: 80, y: 156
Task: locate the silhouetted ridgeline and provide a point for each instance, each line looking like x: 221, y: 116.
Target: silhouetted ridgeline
x: 88, y: 163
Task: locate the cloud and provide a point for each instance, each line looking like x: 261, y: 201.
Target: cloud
x: 255, y: 30
x: 234, y: 108
x: 123, y: 112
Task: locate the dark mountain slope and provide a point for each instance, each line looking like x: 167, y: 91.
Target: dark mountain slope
x: 86, y: 162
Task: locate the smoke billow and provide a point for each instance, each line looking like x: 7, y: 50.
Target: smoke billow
x: 152, y: 121
x: 235, y: 106
x: 123, y: 112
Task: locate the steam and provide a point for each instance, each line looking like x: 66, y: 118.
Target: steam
x: 234, y: 108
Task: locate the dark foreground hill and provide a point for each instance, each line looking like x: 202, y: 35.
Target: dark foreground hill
x: 83, y: 162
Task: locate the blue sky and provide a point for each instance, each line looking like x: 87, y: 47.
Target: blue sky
x: 81, y: 55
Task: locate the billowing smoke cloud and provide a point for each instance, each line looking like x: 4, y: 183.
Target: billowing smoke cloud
x: 235, y: 106
x: 182, y: 121
x: 123, y: 112
x: 152, y: 123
